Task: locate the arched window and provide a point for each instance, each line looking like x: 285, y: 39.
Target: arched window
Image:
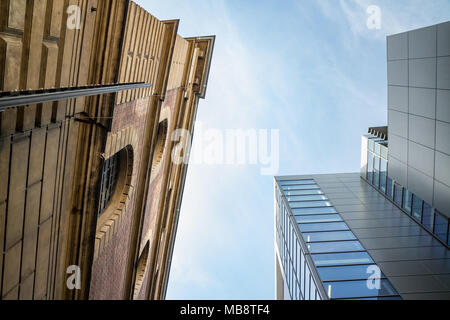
x: 110, y: 174
x: 160, y: 144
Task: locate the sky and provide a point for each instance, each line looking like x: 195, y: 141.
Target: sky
x: 312, y: 69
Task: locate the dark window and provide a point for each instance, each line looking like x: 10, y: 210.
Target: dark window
x: 407, y: 201
x: 440, y: 226
x: 398, y: 194
x: 428, y: 216
x: 390, y: 188
x: 417, y: 205
x: 358, y: 272
x: 110, y: 173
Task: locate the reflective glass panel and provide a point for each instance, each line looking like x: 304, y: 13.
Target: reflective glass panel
x: 336, y: 259
x: 318, y: 218
x: 308, y: 211
x: 370, y: 167
x: 383, y: 175
x: 398, y: 194
x: 314, y: 227
x: 390, y: 188
x: 302, y: 192
x: 417, y: 208
x: 296, y: 182
x: 361, y: 272
x: 328, y: 236
x: 306, y: 198
x: 428, y: 216
x: 347, y: 289
x: 300, y: 187
x: 377, y: 148
x: 384, y: 152
x: 371, y: 145
x: 309, y: 204
x: 440, y: 226
x: 407, y: 201
x: 338, y: 246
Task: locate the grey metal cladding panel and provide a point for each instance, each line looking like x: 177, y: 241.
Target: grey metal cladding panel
x: 442, y: 198
x: 437, y: 266
x: 443, y: 39
x: 418, y: 284
x: 398, y: 147
x: 380, y: 223
x: 427, y: 296
x: 443, y: 73
x: 443, y: 137
x: 421, y: 158
x: 381, y: 205
x: 400, y: 242
x: 347, y: 201
x: 422, y: 102
x: 403, y: 268
x: 397, y: 170
x: 422, y: 130
x: 444, y: 278
x: 443, y: 105
x: 350, y: 208
x: 399, y: 254
x: 367, y: 215
x: 422, y: 73
x: 398, y: 123
x: 389, y: 232
x: 422, y: 43
x: 420, y: 184
x: 442, y: 171
x: 397, y: 46
x: 341, y: 195
x: 398, y: 73
x: 398, y: 98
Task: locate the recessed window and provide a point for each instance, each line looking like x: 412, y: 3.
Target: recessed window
x: 336, y: 259
x: 359, y: 272
x: 328, y: 236
x: 306, y: 198
x: 317, y: 227
x: 110, y: 174
x: 318, y: 218
x: 302, y: 192
x: 337, y: 246
x: 140, y: 272
x: 160, y: 144
x: 310, y: 211
x: 310, y: 204
x: 300, y: 187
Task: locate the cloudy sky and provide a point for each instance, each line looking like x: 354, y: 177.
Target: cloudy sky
x: 310, y: 68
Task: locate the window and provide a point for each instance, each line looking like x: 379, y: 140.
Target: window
x: 309, y: 211
x: 329, y: 236
x: 310, y: 204
x: 358, y: 272
x: 318, y: 218
x: 417, y: 205
x: 302, y: 192
x: 347, y: 289
x: 300, y: 187
x: 110, y: 174
x: 140, y: 272
x: 407, y: 201
x: 338, y: 246
x: 441, y: 226
x: 306, y: 198
x: 398, y: 194
x: 160, y: 145
x: 315, y: 227
x: 370, y: 166
x: 376, y: 172
x: 390, y: 188
x: 428, y: 216
x: 335, y: 259
x: 296, y: 182
x: 383, y: 175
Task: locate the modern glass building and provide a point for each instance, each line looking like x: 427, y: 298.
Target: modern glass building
x: 382, y: 233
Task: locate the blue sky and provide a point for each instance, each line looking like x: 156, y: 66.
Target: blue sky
x: 310, y: 68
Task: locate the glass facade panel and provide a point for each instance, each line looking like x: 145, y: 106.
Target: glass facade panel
x: 417, y: 204
x: 339, y: 246
x: 390, y: 188
x: 370, y: 167
x: 302, y: 192
x: 356, y: 289
x: 384, y: 152
x: 441, y: 226
x: 296, y: 182
x: 306, y: 198
x: 336, y: 259
x: 383, y: 175
x: 398, y: 194
x: 359, y: 272
x: 376, y: 171
x: 318, y: 218
x: 315, y: 227
x: 300, y: 187
x: 428, y: 216
x: 407, y: 201
x: 309, y: 204
x: 328, y: 236
x: 306, y: 211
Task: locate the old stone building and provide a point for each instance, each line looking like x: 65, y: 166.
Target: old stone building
x: 87, y: 181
